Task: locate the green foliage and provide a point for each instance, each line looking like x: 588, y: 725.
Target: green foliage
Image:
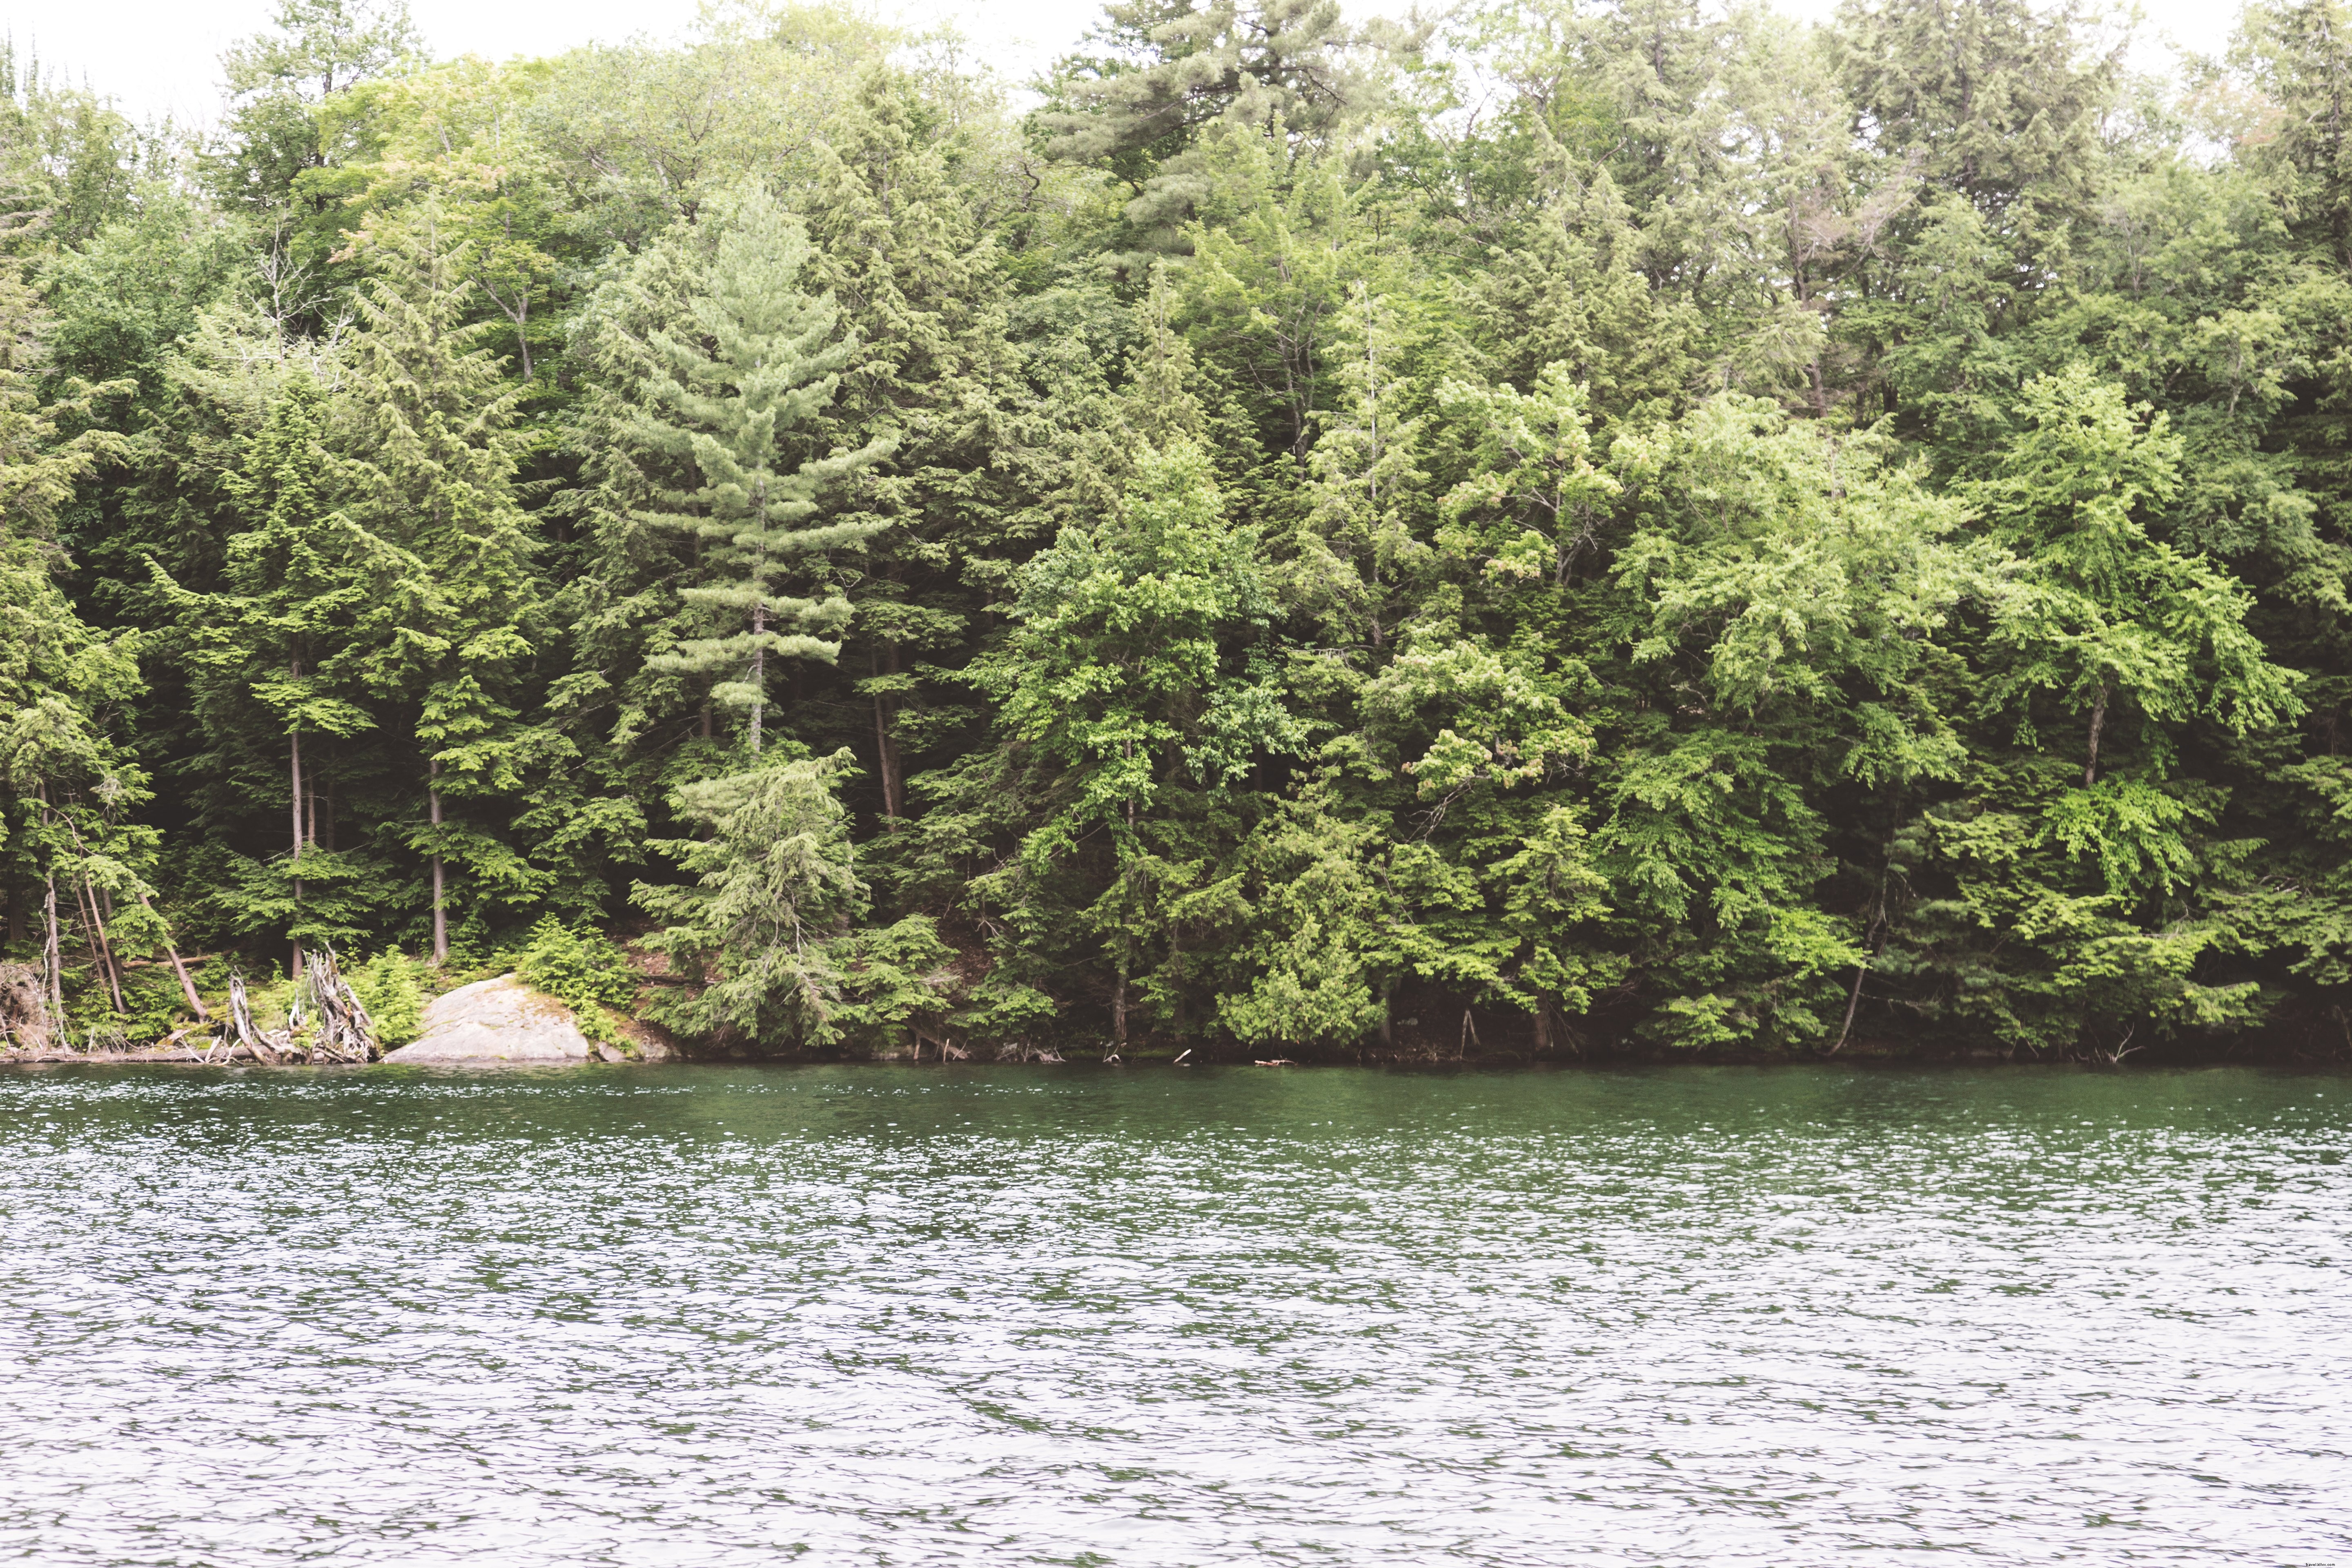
x: 391, y: 987
x: 582, y: 971
x: 767, y: 923
x: 1643, y: 527
x: 762, y: 362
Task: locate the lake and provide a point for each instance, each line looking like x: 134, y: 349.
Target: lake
x: 1159, y: 1316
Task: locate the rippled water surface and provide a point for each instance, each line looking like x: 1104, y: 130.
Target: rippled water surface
x: 1070, y: 1316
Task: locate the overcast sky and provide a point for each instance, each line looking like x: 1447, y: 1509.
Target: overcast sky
x: 160, y: 56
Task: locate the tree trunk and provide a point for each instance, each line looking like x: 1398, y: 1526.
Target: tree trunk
x: 294, y: 776
x: 187, y: 986
x: 94, y: 930
x: 2098, y: 723
x: 1119, y: 1006
x: 885, y: 757
x: 760, y: 618
x: 105, y: 902
x: 1853, y: 1003
x: 101, y: 909
x: 759, y: 661
x: 440, y: 908
x: 53, y: 955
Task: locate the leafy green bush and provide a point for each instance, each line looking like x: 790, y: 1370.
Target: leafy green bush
x: 582, y: 971
x: 390, y: 989
x: 153, y: 997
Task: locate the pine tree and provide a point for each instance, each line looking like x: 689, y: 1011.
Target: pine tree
x: 1288, y: 69
x: 773, y: 363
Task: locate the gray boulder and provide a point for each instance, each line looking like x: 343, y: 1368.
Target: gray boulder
x: 500, y: 1020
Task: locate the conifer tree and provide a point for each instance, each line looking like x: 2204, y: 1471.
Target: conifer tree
x: 1367, y: 491
x: 922, y: 292
x: 292, y: 647
x: 735, y: 407
x: 774, y: 895
x: 69, y: 781
x: 1290, y: 68
x: 429, y: 448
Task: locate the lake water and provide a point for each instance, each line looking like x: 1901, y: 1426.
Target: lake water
x: 717, y: 1316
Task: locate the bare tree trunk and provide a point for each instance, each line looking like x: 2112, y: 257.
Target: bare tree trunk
x: 294, y: 776
x: 187, y: 986
x: 440, y: 910
x: 94, y: 930
x: 759, y: 661
x: 86, y: 896
x: 884, y: 757
x: 53, y: 956
x: 2098, y: 723
x: 1853, y: 1002
x: 1119, y: 1006
x: 103, y: 907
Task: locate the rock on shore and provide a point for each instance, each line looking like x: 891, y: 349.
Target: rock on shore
x: 503, y: 1020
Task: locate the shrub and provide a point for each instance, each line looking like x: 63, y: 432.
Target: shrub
x: 582, y: 971
x: 389, y: 989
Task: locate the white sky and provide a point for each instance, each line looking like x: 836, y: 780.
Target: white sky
x: 159, y: 57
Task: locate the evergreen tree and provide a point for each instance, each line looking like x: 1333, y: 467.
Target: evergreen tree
x: 774, y: 896
x: 922, y: 296
x: 1282, y: 68
x: 296, y: 642
x: 772, y: 362
x: 428, y: 453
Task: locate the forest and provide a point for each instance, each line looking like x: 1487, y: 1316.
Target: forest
x: 1550, y: 530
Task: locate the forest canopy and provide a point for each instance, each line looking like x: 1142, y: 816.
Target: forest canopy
x: 1569, y: 527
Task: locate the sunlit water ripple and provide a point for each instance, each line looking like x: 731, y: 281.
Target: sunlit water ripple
x: 1153, y: 1316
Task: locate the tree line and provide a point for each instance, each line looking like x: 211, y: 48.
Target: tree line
x: 1562, y: 528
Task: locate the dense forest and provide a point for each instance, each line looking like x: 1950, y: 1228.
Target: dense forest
x: 1557, y: 530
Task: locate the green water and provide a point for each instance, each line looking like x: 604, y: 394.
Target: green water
x: 1063, y: 1315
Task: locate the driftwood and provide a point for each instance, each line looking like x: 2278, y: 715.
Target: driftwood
x: 325, y: 1023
